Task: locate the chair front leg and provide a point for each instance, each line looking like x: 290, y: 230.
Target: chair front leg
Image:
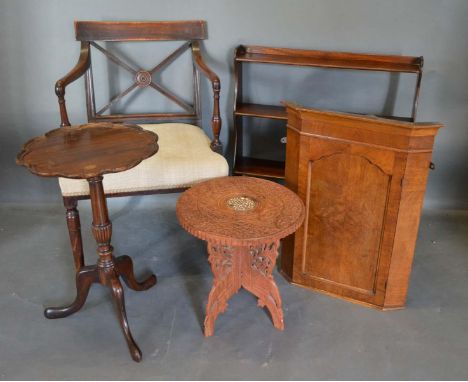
x: 74, y: 230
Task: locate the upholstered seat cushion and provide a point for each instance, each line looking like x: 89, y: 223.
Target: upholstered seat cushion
x: 184, y: 158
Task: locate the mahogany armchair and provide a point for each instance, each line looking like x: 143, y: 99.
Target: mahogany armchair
x: 186, y: 154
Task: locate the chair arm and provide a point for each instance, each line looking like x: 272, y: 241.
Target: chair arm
x: 84, y: 61
x: 215, y: 83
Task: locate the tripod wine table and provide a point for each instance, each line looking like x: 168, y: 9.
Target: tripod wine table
x: 243, y: 220
x: 87, y: 152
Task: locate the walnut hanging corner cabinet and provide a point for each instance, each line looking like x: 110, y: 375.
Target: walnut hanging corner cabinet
x: 362, y: 179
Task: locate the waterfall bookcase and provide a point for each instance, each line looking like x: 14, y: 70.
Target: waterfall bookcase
x: 249, y: 54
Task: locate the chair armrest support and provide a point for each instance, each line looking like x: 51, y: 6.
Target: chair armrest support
x: 216, y: 85
x: 84, y: 61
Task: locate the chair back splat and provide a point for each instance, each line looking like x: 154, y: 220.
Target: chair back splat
x: 91, y: 34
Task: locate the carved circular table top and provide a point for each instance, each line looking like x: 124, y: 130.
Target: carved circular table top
x: 87, y: 151
x: 240, y: 210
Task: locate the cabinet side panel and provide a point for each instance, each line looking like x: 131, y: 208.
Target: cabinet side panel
x: 414, y: 185
x: 291, y: 181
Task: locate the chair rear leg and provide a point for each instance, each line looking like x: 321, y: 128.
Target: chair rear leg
x: 74, y: 230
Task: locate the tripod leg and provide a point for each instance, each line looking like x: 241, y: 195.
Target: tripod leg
x: 84, y: 278
x: 124, y: 265
x: 119, y: 301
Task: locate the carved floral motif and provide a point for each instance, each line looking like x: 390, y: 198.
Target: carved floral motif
x: 220, y: 259
x: 263, y: 257
x: 208, y: 212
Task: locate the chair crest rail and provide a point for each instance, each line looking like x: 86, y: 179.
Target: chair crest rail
x: 140, y: 31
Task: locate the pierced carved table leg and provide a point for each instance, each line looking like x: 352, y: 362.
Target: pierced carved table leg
x: 250, y: 267
x: 257, y: 267
x: 225, y: 267
x: 106, y: 271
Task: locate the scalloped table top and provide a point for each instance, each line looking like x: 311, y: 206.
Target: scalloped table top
x: 240, y: 210
x: 87, y: 151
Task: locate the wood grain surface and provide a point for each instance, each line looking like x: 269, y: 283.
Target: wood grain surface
x: 204, y: 211
x: 86, y: 151
x: 362, y: 179
x: 140, y: 30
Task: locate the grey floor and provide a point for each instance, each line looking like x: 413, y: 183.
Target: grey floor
x: 325, y: 338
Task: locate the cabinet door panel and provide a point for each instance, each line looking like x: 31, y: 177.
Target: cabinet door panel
x: 346, y: 200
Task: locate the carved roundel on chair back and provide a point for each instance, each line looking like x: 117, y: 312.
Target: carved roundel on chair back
x: 143, y: 78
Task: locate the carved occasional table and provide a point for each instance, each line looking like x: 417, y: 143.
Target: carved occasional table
x: 243, y: 220
x: 88, y: 152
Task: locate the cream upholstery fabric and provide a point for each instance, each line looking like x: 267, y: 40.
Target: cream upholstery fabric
x: 184, y: 158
